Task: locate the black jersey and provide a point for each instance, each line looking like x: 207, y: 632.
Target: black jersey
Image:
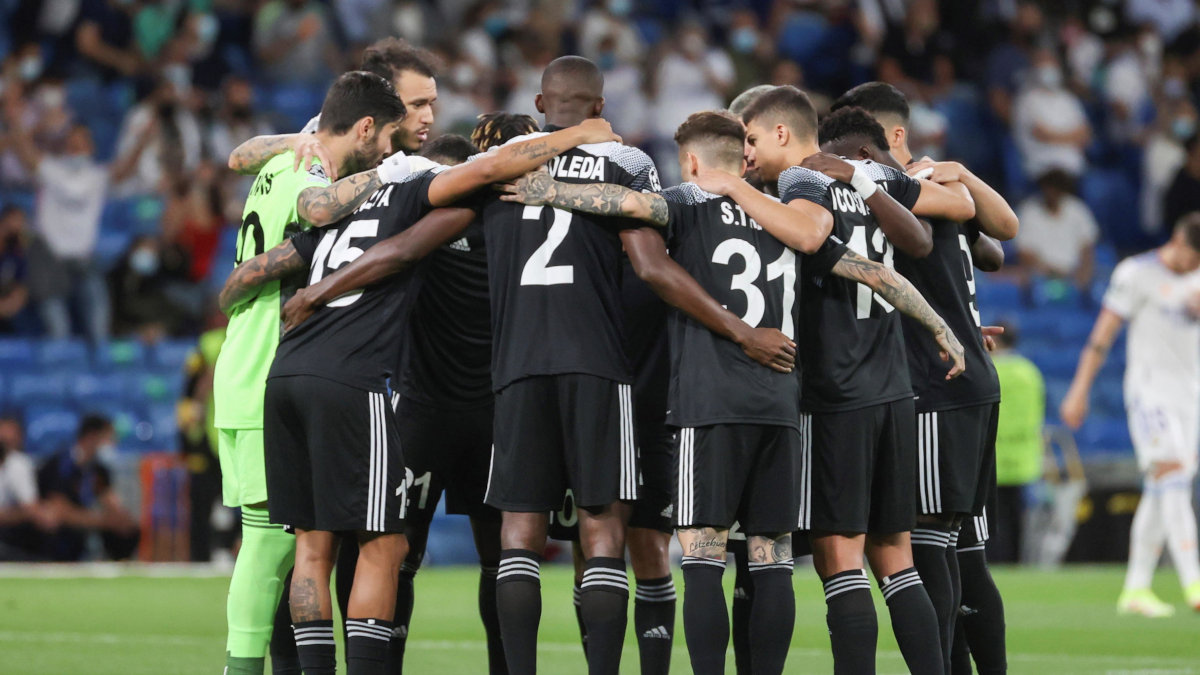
x: 946, y: 277
x: 355, y: 339
x: 644, y: 331
x: 851, y: 344
x: 448, y: 352
x: 555, y: 276
x: 754, y: 275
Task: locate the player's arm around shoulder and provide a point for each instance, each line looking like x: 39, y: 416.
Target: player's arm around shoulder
x: 538, y: 188
x: 246, y: 279
x: 996, y: 217
x: 800, y: 224
x: 251, y: 156
x: 893, y: 287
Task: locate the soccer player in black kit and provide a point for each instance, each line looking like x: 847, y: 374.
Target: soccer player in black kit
x: 956, y: 421
x: 739, y: 449
x: 858, y: 491
x: 332, y: 447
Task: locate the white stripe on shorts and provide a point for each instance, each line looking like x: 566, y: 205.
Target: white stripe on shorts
x: 928, y: 472
x: 629, y: 472
x: 377, y: 474
x: 683, y: 489
x: 804, y: 522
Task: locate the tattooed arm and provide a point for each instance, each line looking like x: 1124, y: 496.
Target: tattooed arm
x: 251, y: 156
x: 321, y: 206
x: 513, y: 160
x: 603, y: 199
x: 893, y: 287
x: 247, y: 278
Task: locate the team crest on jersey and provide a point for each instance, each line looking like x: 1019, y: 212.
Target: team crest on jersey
x: 318, y: 171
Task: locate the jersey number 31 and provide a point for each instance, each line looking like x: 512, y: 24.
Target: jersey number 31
x: 784, y: 266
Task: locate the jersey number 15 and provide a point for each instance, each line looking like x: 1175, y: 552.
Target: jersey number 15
x: 334, y: 250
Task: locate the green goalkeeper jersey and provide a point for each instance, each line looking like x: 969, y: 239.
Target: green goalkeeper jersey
x: 240, y: 378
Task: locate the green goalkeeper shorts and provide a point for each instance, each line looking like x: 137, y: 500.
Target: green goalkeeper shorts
x: 243, y: 476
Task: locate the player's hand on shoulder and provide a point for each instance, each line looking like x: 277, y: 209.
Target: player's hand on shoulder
x: 596, y: 130
x: 715, y: 181
x: 831, y: 165
x: 533, y: 189
x: 297, y: 309
x: 306, y: 147
x: 770, y: 348
x: 938, y: 172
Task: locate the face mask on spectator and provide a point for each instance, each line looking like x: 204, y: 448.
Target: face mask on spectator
x: 51, y: 98
x: 495, y: 25
x: 693, y: 45
x: 1049, y: 76
x: 107, y: 452
x: 144, y: 262
x: 1182, y: 128
x: 207, y: 28
x: 744, y: 39
x: 620, y: 7
x: 31, y: 67
x: 607, y: 61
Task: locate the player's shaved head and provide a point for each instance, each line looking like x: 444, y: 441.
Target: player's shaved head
x: 744, y: 99
x: 572, y: 91
x: 449, y: 149
x: 883, y: 101
x: 717, y: 138
x: 784, y: 105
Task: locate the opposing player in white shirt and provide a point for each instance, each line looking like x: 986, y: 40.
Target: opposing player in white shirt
x: 1158, y: 293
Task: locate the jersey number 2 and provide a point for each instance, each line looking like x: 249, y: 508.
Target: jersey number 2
x: 756, y: 304
x: 335, y: 250
x: 538, y: 271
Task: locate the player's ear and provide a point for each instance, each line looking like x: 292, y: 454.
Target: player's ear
x: 363, y: 127
x: 742, y: 171
x: 693, y: 163
x: 598, y: 108
x: 537, y: 103
x: 782, y: 134
x: 899, y: 136
x: 864, y: 152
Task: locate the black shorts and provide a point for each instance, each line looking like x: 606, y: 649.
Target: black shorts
x: 555, y: 432
x: 956, y: 454
x: 859, y: 470
x: 445, y: 451
x: 333, y: 457
x: 743, y: 473
x: 654, y: 507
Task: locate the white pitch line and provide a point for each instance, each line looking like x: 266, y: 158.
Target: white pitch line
x: 1184, y: 664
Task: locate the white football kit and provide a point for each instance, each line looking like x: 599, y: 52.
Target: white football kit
x: 1162, y: 372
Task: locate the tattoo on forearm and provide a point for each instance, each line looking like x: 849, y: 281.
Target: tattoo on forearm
x: 536, y: 150
x: 1100, y: 348
x: 250, y: 157
x: 604, y: 199
x: 248, y: 277
x: 305, y: 600
x: 704, y: 542
x: 332, y: 203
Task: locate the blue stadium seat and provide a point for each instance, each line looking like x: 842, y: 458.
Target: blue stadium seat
x: 1074, y: 327
x: 110, y: 248
x: 119, y: 355
x: 96, y: 392
x: 30, y: 388
x: 49, y: 429
x: 1100, y: 434
x: 62, y: 354
x: 1108, y: 398
x: 1056, y: 389
x: 296, y: 103
x: 998, y: 295
x: 171, y: 355
x: 150, y: 388
x: 1056, y: 362
x: 154, y: 430
x: 16, y: 354
x: 1055, y: 293
x: 22, y: 198
x: 802, y: 37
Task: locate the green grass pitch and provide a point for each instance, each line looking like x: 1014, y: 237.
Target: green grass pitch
x: 1060, y: 622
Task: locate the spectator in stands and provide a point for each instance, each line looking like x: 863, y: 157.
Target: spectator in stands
x: 1183, y: 197
x: 606, y: 32
x: 1058, y: 233
x: 14, y: 267
x: 1019, y: 443
x: 198, y: 436
x: 236, y: 119
x: 1168, y: 17
x: 691, y: 76
x: 1049, y: 124
x: 142, y: 290
x: 750, y: 49
x: 78, y: 489
x: 104, y: 37
x: 1164, y: 151
x: 20, y: 513
x: 911, y: 48
x: 160, y: 139
x: 192, y: 221
x: 1009, y: 63
x: 72, y: 188
x: 293, y: 40
x: 1125, y: 86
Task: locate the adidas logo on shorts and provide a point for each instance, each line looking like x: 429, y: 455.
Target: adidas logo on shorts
x: 668, y: 512
x: 460, y: 245
x: 659, y: 632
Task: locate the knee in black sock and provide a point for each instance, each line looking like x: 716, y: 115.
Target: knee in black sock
x: 519, y: 607
x: 853, y: 626
x: 654, y: 621
x: 914, y: 622
x: 367, y: 646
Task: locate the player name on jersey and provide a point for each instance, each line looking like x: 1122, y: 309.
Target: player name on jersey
x: 585, y: 167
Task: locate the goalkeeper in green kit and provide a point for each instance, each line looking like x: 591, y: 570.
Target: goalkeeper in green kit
x: 360, y: 114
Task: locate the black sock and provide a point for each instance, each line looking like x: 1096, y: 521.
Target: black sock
x: 367, y: 646
x: 405, y: 599
x: 284, y: 659
x: 960, y: 657
x: 929, y: 557
x: 491, y: 621
x: 576, y: 594
x: 743, y: 601
x: 983, y: 612
x: 705, y: 619
x: 519, y: 606
x: 956, y: 584
x: 772, y: 617
x: 343, y: 577
x: 654, y: 621
x: 914, y: 622
x: 853, y: 626
x: 314, y: 644
x: 604, y: 604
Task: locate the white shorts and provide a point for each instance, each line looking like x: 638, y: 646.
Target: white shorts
x: 1164, y: 431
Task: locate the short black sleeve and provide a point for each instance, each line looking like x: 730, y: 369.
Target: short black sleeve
x: 677, y: 215
x: 306, y: 242
x: 820, y: 264
x: 902, y: 187
x: 800, y: 183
